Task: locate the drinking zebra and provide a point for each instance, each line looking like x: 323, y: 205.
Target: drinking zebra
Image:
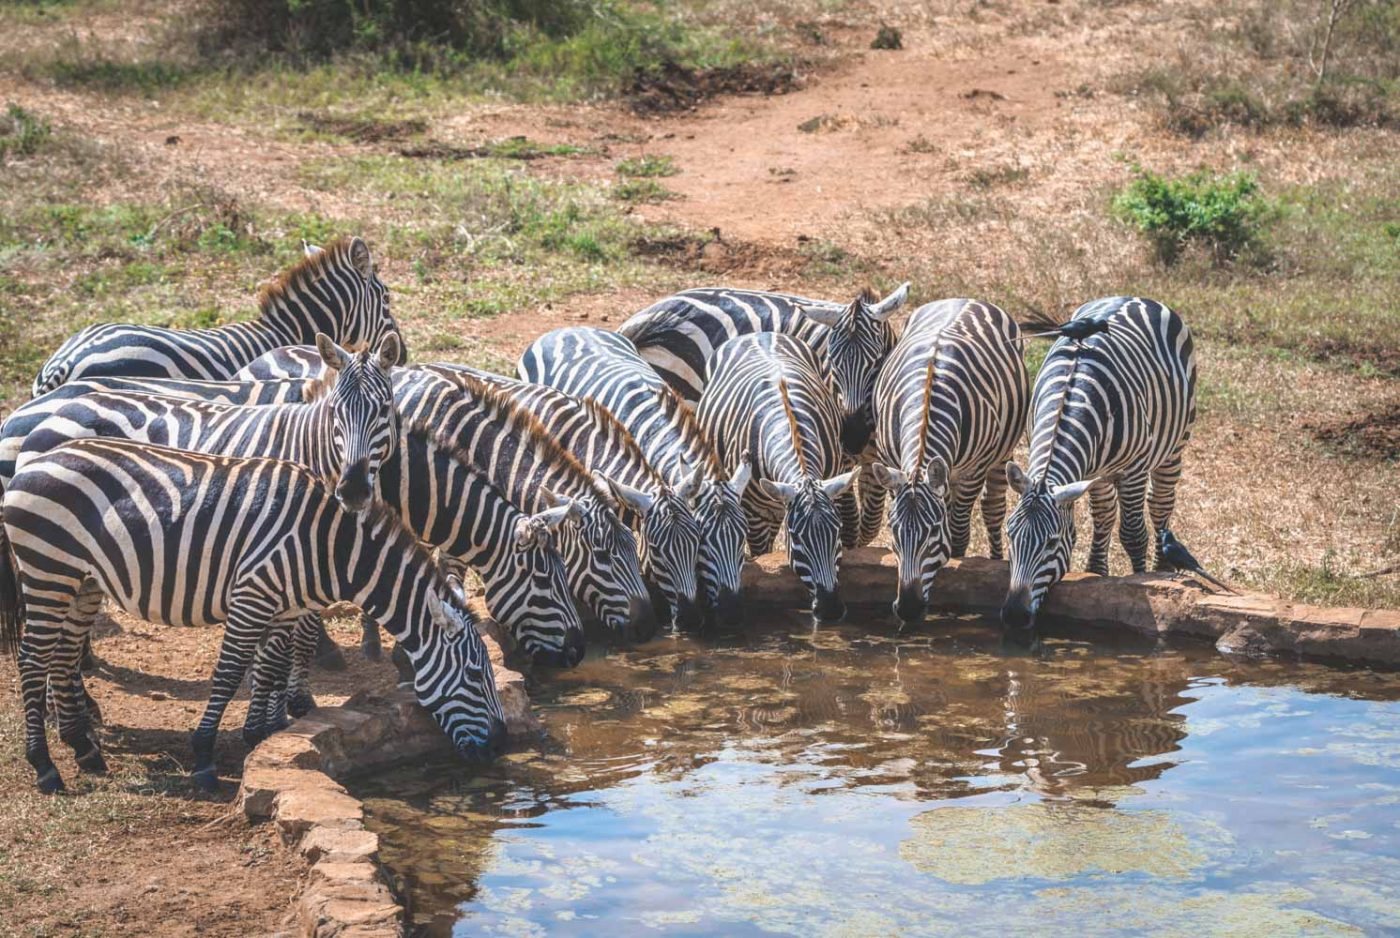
x: 345, y: 434
x: 766, y: 399
x: 606, y: 367
x: 1109, y: 415
x: 950, y: 403
x: 333, y: 291
x: 119, y: 519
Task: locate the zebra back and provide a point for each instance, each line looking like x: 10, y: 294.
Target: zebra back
x: 334, y: 291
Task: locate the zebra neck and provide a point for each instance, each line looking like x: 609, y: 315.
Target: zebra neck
x: 296, y: 316
x: 389, y: 587
x: 312, y: 426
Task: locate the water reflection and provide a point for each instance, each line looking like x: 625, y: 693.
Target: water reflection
x: 878, y: 781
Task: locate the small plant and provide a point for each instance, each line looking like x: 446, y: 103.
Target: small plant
x: 642, y: 191
x: 1225, y: 214
x: 647, y: 166
x: 920, y: 144
x: 889, y: 37
x: 987, y: 177
x: 21, y: 133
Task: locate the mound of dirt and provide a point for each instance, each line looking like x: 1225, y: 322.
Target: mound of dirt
x: 362, y: 129
x: 1375, y: 435
x: 675, y: 87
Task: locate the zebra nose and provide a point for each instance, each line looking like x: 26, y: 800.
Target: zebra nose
x: 728, y: 608
x: 575, y: 647
x: 856, y: 430
x: 827, y: 606
x: 354, y: 488
x: 1016, y: 611
x: 689, y: 615
x: 909, y: 604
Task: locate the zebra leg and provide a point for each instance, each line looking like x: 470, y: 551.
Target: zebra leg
x: 305, y: 638
x: 43, y: 632
x: 269, y: 682
x: 369, y: 638
x: 328, y: 654
x: 872, y: 506
x: 849, y: 509
x: 1161, y: 501
x: 247, y: 621
x: 1132, y: 528
x: 66, y: 680
x: 960, y: 516
x: 1103, y: 506
x: 994, y: 509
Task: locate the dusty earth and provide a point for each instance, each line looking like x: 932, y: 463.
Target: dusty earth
x: 867, y: 130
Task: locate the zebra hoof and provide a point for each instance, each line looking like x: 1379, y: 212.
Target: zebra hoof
x: 92, y: 763
x: 51, y: 782
x: 299, y: 705
x: 206, y: 779
x: 251, y: 737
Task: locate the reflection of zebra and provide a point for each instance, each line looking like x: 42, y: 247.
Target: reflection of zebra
x: 680, y: 335
x: 950, y: 403
x: 766, y: 399
x: 344, y: 434
x: 605, y: 366
x: 524, y: 458
x: 29, y: 415
x: 333, y: 291
x: 121, y: 519
x: 1108, y: 415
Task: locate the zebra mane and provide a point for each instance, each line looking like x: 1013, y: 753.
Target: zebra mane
x: 505, y: 410
x: 1060, y: 409
x: 929, y: 379
x: 680, y: 415
x: 615, y: 430
x: 793, y: 428
x: 306, y: 271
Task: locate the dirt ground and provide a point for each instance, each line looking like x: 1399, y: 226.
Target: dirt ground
x: 141, y: 854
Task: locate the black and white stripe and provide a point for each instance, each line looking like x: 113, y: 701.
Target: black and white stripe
x: 950, y: 403
x: 1110, y: 416
x: 334, y: 291
x: 119, y: 519
x: 766, y: 399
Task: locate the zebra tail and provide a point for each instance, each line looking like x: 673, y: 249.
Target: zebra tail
x: 11, y: 597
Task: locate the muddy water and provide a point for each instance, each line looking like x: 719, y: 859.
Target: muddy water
x: 861, y: 781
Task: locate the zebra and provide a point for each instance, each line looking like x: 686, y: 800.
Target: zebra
x: 115, y: 518
x: 950, y: 402
x: 680, y: 334
x: 605, y: 366
x: 600, y: 551
x: 334, y: 290
x: 23, y: 419
x: 449, y: 502
x: 766, y: 398
x: 1108, y: 416
x: 346, y: 433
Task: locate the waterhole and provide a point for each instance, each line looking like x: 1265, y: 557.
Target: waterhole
x: 863, y: 780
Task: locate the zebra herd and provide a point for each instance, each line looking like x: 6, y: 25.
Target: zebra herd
x: 251, y: 475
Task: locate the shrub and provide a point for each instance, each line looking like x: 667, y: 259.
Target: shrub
x: 21, y: 133
x: 1225, y: 214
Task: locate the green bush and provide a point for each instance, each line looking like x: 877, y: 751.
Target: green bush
x: 21, y: 133
x: 1224, y: 214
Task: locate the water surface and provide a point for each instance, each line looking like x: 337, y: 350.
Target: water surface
x: 860, y: 780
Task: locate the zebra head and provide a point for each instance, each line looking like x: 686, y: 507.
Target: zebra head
x: 367, y: 316
x: 919, y: 529
x: 601, y: 553
x: 528, y: 589
x: 452, y: 674
x: 670, y: 542
x: 1041, y: 532
x: 860, y: 340
x: 723, y: 535
x: 814, y: 537
x: 363, y: 419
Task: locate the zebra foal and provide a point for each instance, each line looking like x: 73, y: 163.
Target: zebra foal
x: 1110, y: 415
x: 334, y: 290
x: 181, y: 538
x: 766, y: 400
x: 950, y: 402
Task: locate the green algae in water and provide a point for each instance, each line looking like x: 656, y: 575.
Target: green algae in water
x: 862, y: 780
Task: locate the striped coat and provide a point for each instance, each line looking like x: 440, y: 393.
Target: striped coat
x: 1110, y: 416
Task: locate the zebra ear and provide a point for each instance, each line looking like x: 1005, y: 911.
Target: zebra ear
x: 740, y: 479
x: 435, y: 608
x: 309, y: 249
x: 937, y: 471
x: 333, y: 355
x: 888, y: 477
x: 457, y: 590
x: 690, y: 487
x: 779, y: 490
x: 836, y: 486
x: 635, y: 499
x: 828, y: 314
x: 889, y: 305
x: 360, y: 259
x: 1069, y: 494
x: 390, y: 350
x: 563, y: 510
x: 1017, y: 479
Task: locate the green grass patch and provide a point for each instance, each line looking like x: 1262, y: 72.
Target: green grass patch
x: 22, y: 133
x: 642, y: 192
x: 647, y: 166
